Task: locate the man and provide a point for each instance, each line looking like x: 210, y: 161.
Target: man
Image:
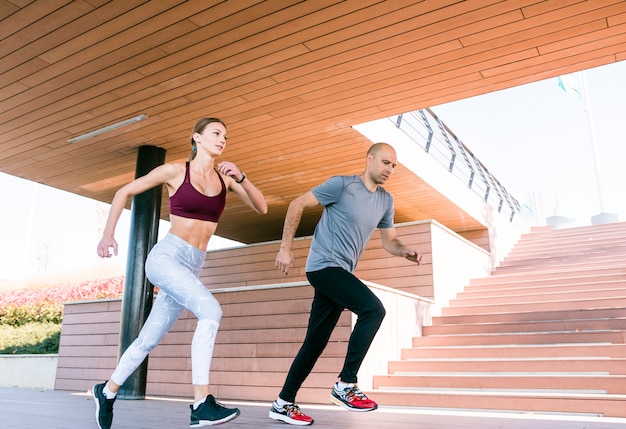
x: 353, y: 207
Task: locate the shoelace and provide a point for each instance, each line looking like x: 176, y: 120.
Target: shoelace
x: 355, y: 393
x: 216, y: 405
x: 293, y: 410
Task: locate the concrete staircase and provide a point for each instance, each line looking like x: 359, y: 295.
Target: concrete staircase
x: 546, y: 333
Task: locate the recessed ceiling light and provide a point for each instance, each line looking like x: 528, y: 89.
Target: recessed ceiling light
x: 108, y: 128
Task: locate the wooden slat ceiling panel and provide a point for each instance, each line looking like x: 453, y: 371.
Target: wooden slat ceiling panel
x: 289, y: 78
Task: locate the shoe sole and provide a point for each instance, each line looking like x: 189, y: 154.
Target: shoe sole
x: 289, y: 421
x: 203, y: 423
x: 340, y: 403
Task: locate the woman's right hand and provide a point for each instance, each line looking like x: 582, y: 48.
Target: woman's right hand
x: 105, y: 245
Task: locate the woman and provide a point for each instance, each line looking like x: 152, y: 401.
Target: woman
x: 197, y: 192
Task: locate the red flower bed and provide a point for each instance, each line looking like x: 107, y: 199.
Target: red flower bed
x: 46, y: 305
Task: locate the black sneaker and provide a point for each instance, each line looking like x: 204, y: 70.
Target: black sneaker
x: 290, y: 414
x: 104, y: 407
x: 211, y: 413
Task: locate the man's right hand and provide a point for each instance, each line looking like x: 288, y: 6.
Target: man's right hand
x: 284, y: 260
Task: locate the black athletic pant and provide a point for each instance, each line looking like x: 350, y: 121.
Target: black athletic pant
x: 335, y: 290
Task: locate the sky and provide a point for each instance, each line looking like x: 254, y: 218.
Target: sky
x: 535, y: 139
x: 35, y: 235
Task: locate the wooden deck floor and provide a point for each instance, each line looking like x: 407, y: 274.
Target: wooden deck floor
x: 64, y: 410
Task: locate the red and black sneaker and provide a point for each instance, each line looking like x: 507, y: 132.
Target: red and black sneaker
x: 290, y: 414
x: 351, y: 398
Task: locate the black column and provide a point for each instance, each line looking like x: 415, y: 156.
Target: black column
x: 138, y: 292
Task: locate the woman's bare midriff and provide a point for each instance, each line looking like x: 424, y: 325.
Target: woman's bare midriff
x: 193, y: 231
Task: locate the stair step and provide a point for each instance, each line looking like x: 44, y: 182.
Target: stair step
x: 517, y: 351
x: 615, y: 337
x: 582, y: 255
x: 574, y: 325
x: 528, y: 289
x: 594, y: 383
x: 539, y: 306
x: 497, y: 285
x: 557, y: 247
x: 567, y: 257
x: 583, y: 365
x: 531, y: 316
x: 588, y: 231
x: 607, y: 405
x: 565, y: 240
x: 590, y: 273
x: 524, y: 263
x: 545, y: 296
x: 584, y: 233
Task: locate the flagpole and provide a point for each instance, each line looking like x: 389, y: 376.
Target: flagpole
x: 592, y: 134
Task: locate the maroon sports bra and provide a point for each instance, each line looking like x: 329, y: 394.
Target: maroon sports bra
x: 188, y: 202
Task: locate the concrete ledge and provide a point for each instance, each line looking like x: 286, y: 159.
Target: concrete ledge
x: 34, y: 371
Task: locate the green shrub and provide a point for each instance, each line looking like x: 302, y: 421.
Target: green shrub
x: 38, y: 312
x: 30, y: 338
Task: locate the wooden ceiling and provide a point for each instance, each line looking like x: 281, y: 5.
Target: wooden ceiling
x: 288, y: 77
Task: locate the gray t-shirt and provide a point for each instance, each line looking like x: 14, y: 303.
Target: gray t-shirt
x: 351, y: 213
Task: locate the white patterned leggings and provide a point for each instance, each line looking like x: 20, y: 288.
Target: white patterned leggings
x: 174, y: 265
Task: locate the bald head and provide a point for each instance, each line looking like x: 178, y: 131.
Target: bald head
x: 377, y: 147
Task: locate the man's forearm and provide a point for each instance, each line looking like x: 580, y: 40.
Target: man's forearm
x: 395, y: 247
x: 292, y: 220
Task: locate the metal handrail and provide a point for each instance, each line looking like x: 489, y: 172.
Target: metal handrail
x: 432, y: 135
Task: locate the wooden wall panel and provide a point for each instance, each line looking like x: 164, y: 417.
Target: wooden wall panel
x: 89, y: 344
x: 260, y: 333
x: 225, y: 269
x: 255, y: 265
